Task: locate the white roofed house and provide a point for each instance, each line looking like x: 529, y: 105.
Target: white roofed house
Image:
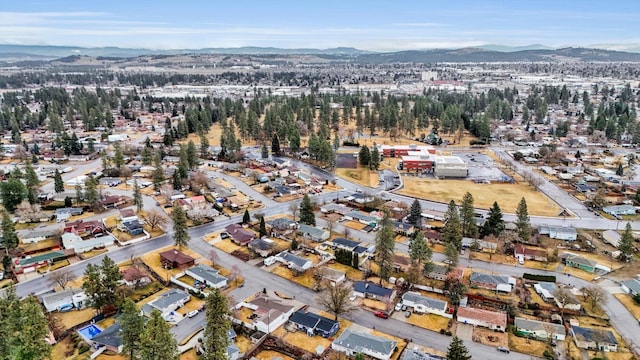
x: 269, y: 313
x: 313, y: 233
x: 424, y: 304
x: 65, y: 300
x: 539, y: 329
x: 501, y: 283
x: 294, y: 262
x: 352, y: 342
x: 485, y: 318
x: 208, y: 276
x: 611, y: 237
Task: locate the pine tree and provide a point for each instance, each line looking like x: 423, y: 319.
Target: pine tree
x: 91, y: 190
x: 101, y: 282
x: 158, y: 172
x: 264, y: 151
x: 9, y: 236
x: 457, y: 350
x: 263, y: 227
x: 12, y: 192
x: 415, y: 214
x: 451, y: 253
x: 494, y: 225
x: 180, y: 231
x: 468, y: 220
x: 192, y: 155
x: 204, y: 147
x: 156, y: 341
x: 32, y: 183
x: 420, y: 254
x: 217, y: 325
x: 58, y: 183
x: 522, y: 221
x: 24, y: 328
x: 131, y: 327
x: 364, y: 156
x: 246, y: 218
x: 275, y: 144
x: 307, y: 215
x: 625, y: 246
x: 375, y: 158
x: 118, y: 157
x: 137, y: 196
x: 385, y: 244
x: 452, y: 230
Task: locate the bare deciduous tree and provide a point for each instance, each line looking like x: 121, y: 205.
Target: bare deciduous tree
x: 214, y: 257
x: 154, y: 219
x: 166, y: 191
x: 61, y: 278
x: 335, y: 298
x: 595, y: 296
x: 563, y: 297
x: 293, y: 207
x: 235, y: 273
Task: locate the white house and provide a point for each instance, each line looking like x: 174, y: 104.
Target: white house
x: 539, y: 329
x: 611, y: 237
x: 75, y: 242
x: 631, y: 286
x: 208, y: 276
x: 423, y: 304
x: 269, y: 313
x: 294, y: 262
x: 485, y: 318
x: 65, y: 300
x: 352, y: 342
x: 167, y: 303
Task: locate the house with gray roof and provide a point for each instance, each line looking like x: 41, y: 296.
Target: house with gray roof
x: 559, y: 232
x: 314, y: 324
x: 539, y: 329
x: 281, y: 224
x: 500, y: 283
x: 335, y: 208
x: 369, y: 290
x: 35, y: 236
x: 617, y: 210
x: 294, y: 262
x: 594, y: 339
x: 313, y: 233
x: 631, y: 287
x: 352, y: 342
x: 262, y: 246
x: 344, y: 244
x: 110, y: 338
x: 208, y: 276
x: 424, y: 304
x: 611, y: 237
x: 356, y: 215
x: 167, y: 303
x: 578, y: 262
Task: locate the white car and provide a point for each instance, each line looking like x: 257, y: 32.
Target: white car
x: 398, y: 306
x: 192, y: 313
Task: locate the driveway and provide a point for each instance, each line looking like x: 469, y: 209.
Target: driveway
x: 464, y: 332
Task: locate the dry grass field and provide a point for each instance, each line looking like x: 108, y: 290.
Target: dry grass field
x: 361, y: 176
x: 490, y: 337
x: 628, y: 303
x: 352, y: 274
x: 507, y: 195
x: 305, y: 279
x: 428, y: 321
x: 527, y: 346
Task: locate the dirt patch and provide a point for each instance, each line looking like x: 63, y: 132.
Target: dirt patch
x: 354, y: 225
x: 507, y: 195
x: 490, y: 337
x: 527, y: 346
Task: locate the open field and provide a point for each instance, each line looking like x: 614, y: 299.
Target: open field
x: 527, y: 346
x: 352, y: 274
x: 428, y: 321
x: 305, y: 279
x: 361, y: 176
x: 507, y: 195
x: 628, y: 303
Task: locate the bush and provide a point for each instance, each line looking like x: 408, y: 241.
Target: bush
x: 448, y: 333
x: 350, y: 143
x: 442, y: 331
x: 83, y: 349
x: 536, y: 277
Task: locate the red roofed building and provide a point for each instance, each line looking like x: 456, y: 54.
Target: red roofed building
x: 84, y: 228
x: 479, y: 317
x: 239, y: 235
x: 521, y: 251
x: 176, y: 259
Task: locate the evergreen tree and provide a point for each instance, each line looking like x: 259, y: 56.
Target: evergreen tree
x: 204, y: 147
x: 451, y: 253
x: 180, y: 231
x: 217, y: 325
x: 457, y: 350
x: 158, y: 172
x: 32, y: 183
x: 23, y: 327
x: 79, y: 194
x: 522, y: 221
x: 156, y: 341
x: 131, y: 327
x: 420, y: 254
x: 12, y: 192
x: 263, y: 227
x: 619, y: 170
x: 192, y: 155
x: 118, y: 157
x: 415, y: 214
x: 176, y: 180
x: 58, y: 183
x: 625, y: 246
x: 91, y: 190
x: 101, y: 282
x: 385, y: 244
x: 364, y: 156
x: 494, y: 225
x: 9, y: 235
x: 294, y: 140
x: 246, y: 218
x: 307, y: 215
x: 137, y: 196
x: 264, y: 151
x: 375, y: 158
x: 468, y: 220
x: 452, y: 230
x: 275, y: 144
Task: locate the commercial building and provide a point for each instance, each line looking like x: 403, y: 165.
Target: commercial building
x: 450, y: 167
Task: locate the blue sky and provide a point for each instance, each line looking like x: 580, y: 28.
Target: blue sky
x: 371, y: 25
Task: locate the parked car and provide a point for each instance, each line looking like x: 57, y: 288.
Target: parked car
x: 407, y: 314
x: 381, y: 314
x: 192, y: 313
x: 224, y: 235
x: 503, y: 349
x: 398, y: 307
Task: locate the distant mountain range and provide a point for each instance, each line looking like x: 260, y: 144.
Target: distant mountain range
x: 486, y: 53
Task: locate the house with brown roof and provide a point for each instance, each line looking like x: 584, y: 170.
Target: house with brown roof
x: 527, y: 253
x: 175, y: 259
x: 134, y: 277
x: 269, y: 312
x: 113, y: 201
x: 485, y: 318
x: 85, y: 228
x: 239, y: 235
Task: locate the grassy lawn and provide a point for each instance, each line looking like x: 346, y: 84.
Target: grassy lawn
x: 628, y: 303
x: 352, y: 274
x: 54, y: 266
x: 540, y: 265
x: 243, y: 343
x: 59, y: 349
x: 527, y: 346
x: 305, y: 279
x: 152, y: 259
x: 507, y: 195
x: 302, y: 340
x: 92, y: 253
x: 374, y: 304
x: 228, y: 246
x: 573, y: 353
x: 111, y: 356
x: 495, y: 258
x: 70, y: 319
x: 361, y: 176
x: 584, y: 275
x: 44, y: 244
x: 428, y: 321
x: 490, y: 337
x: 354, y: 225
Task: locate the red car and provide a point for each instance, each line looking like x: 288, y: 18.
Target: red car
x: 381, y: 314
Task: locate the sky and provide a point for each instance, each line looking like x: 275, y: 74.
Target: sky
x: 374, y: 25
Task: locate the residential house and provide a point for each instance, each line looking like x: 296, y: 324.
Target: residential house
x: 480, y: 245
x: 63, y: 214
x: 631, y: 286
x: 402, y: 228
x: 618, y: 210
x: 559, y: 232
x: 208, y: 276
x: 239, y: 235
x: 35, y: 236
x: 133, y: 227
x: 352, y: 342
x: 344, y: 244
x: 527, y: 253
x: 313, y: 233
x: 237, y: 202
x: 269, y: 313
x: 363, y: 218
x: 109, y: 338
x: 333, y: 208
x: 281, y: 225
x: 262, y: 246
x: 282, y: 163
x: 333, y: 276
x: 485, y: 318
x: 132, y: 276
x: 432, y: 235
x: 128, y: 215
x: 167, y: 303
x: 85, y: 228
x: 175, y: 259
x: 401, y: 263
x: 30, y: 263
x: 72, y: 241
x: 539, y: 329
x: 545, y: 290
x: 294, y: 262
x: 233, y: 352
x: 314, y: 324
x: 360, y: 198
x: 65, y: 300
x: 424, y: 304
x: 594, y: 339
x: 500, y: 283
x: 113, y: 201
x: 369, y: 290
x: 38, y: 216
x: 440, y: 272
x: 578, y: 262
x: 611, y: 237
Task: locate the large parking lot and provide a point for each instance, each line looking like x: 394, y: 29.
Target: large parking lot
x: 482, y: 167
